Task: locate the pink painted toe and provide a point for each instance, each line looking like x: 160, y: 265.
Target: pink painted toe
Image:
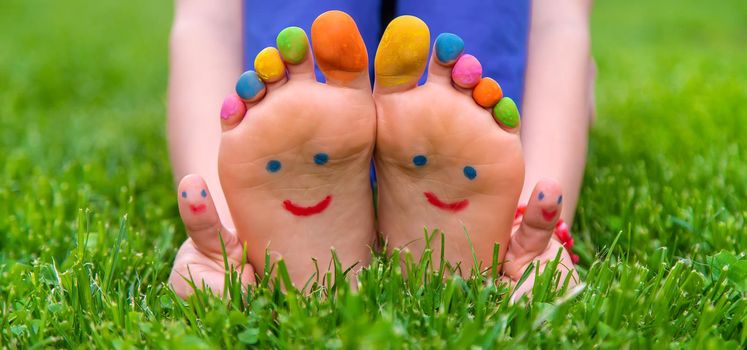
x: 467, y: 71
x: 232, y: 111
x: 230, y: 106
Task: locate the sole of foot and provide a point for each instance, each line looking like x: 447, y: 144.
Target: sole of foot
x: 448, y: 154
x: 295, y: 154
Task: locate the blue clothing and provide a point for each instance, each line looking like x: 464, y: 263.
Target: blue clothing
x: 494, y: 31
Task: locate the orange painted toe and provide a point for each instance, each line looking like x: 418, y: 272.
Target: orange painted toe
x: 487, y: 93
x: 338, y: 46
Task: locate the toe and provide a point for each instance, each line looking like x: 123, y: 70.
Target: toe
x: 250, y: 87
x: 293, y: 45
x: 339, y: 50
x: 446, y: 50
x: 506, y: 114
x: 200, y: 218
x: 269, y: 66
x: 467, y: 72
x: 232, y: 111
x: 402, y: 54
x: 537, y: 227
x: 487, y: 93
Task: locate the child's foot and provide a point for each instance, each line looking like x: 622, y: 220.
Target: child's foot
x: 295, y: 154
x: 200, y: 258
x: 533, y: 238
x: 442, y: 160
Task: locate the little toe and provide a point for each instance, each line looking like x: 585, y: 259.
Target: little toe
x: 506, y: 114
x: 200, y: 218
x: 402, y: 54
x: 339, y: 50
x: 232, y: 111
x: 293, y: 45
x: 446, y: 50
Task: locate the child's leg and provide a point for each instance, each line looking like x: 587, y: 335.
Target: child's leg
x: 205, y: 60
x: 557, y: 112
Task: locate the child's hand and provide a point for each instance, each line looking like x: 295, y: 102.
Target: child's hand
x: 200, y: 258
x: 533, y: 238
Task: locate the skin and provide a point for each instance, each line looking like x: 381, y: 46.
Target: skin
x: 444, y: 124
x: 204, y: 62
x: 302, y: 186
x: 448, y: 131
x: 555, y: 121
x: 200, y: 256
x: 204, y: 39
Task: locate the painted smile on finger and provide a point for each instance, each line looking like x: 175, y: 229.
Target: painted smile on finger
x: 548, y: 215
x: 197, y: 208
x: 438, y: 203
x: 298, y: 210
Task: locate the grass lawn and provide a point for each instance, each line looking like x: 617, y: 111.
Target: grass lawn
x: 89, y: 225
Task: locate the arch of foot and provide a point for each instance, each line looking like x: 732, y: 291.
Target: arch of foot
x: 466, y: 73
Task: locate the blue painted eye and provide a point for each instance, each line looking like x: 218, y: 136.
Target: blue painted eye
x: 184, y: 194
x: 321, y: 158
x: 203, y: 193
x: 273, y: 166
x: 470, y: 172
x: 541, y: 196
x: 419, y: 160
x: 560, y: 199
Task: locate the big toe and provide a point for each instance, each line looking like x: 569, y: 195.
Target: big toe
x: 402, y: 54
x: 339, y: 50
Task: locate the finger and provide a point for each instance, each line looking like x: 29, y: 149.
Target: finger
x: 200, y: 218
x: 192, y: 269
x: 537, y: 226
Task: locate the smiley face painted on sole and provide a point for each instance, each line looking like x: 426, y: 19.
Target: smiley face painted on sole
x: 468, y: 171
x: 320, y: 159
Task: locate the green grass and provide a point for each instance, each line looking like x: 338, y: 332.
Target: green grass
x: 89, y: 226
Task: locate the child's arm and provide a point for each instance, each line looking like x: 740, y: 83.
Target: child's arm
x: 205, y: 61
x: 557, y: 105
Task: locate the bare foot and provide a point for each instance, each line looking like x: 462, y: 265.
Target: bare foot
x: 200, y: 259
x: 534, y: 240
x: 448, y: 154
x: 295, y: 153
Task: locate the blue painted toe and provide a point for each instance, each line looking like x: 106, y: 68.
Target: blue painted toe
x: 249, y: 85
x: 449, y: 47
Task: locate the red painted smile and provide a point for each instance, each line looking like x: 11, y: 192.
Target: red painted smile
x: 548, y: 215
x: 197, y: 208
x: 307, y: 211
x: 453, y: 206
